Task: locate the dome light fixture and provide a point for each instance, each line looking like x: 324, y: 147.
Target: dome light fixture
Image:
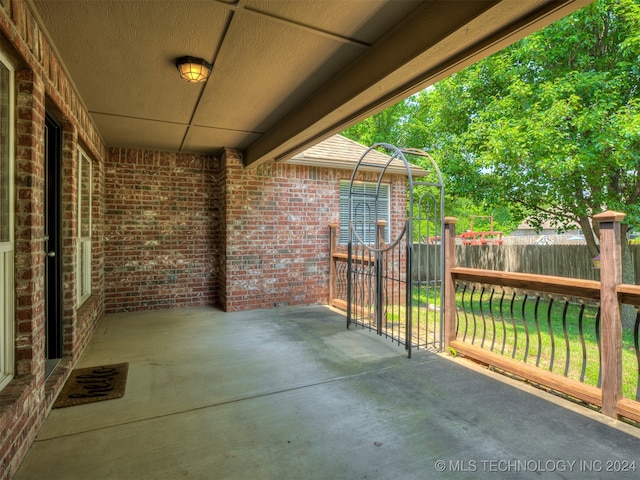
x: 193, y: 70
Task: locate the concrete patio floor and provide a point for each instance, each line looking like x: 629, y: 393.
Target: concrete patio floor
x: 289, y: 393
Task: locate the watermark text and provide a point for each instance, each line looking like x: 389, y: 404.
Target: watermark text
x: 514, y: 466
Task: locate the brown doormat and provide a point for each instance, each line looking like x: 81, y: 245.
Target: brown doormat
x: 93, y: 384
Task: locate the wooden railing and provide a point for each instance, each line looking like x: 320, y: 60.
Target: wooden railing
x: 338, y: 268
x: 337, y: 271
x: 609, y: 293
x: 606, y: 296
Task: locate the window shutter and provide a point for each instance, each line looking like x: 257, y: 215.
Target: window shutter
x: 366, y: 210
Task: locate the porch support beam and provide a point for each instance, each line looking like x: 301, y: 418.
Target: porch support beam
x: 437, y: 39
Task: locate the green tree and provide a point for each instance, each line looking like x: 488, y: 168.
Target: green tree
x: 401, y: 125
x: 551, y: 124
x: 548, y: 128
x: 388, y: 126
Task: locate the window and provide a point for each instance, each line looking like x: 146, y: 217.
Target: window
x: 6, y: 223
x: 367, y: 210
x: 84, y: 227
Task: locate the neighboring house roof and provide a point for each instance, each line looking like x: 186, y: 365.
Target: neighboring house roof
x: 342, y: 153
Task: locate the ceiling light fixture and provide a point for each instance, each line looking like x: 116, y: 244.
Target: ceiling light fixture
x: 193, y: 70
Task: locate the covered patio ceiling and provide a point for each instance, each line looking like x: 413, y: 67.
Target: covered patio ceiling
x: 287, y: 73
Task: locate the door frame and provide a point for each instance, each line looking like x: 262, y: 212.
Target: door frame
x: 7, y: 242
x: 53, y: 243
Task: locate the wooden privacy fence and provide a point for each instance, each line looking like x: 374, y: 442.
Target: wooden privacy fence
x: 557, y: 260
x: 477, y: 327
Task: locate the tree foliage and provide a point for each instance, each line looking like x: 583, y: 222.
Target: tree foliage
x: 548, y: 128
x: 388, y: 126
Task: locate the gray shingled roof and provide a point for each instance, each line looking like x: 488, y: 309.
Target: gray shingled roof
x: 342, y: 153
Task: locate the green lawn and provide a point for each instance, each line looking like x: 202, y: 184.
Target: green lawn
x: 527, y: 329
x: 553, y: 334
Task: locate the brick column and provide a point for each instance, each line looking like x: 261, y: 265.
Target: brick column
x: 69, y: 235
x: 29, y: 221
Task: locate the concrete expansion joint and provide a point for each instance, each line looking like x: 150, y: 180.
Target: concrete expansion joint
x: 238, y: 400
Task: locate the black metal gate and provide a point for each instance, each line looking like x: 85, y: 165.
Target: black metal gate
x: 395, y: 272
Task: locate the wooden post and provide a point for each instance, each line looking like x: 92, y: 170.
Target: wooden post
x: 333, y: 235
x: 381, y: 319
x: 380, y: 232
x: 610, y: 278
x: 450, y: 310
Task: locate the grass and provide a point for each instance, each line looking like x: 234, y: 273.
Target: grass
x: 554, y: 335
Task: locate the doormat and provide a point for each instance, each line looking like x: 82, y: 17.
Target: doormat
x: 93, y: 384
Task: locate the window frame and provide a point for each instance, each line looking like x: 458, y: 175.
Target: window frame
x: 7, y: 247
x: 84, y: 257
x: 368, y: 192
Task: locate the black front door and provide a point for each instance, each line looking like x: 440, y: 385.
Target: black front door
x: 53, y: 244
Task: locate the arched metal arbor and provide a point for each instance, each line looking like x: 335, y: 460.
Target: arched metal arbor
x: 395, y: 271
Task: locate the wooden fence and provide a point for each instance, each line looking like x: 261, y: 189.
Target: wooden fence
x: 571, y: 261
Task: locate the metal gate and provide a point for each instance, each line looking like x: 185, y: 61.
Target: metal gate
x: 394, y: 272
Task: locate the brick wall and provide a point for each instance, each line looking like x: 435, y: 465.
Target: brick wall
x: 219, y: 244
x: 176, y: 230
x: 186, y: 230
x: 277, y: 231
x: 40, y: 80
x: 160, y: 230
